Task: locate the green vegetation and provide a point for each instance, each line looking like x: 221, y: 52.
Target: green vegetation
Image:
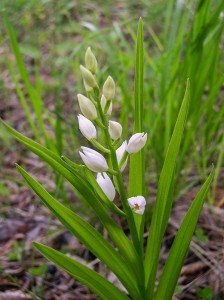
x: 181, y: 47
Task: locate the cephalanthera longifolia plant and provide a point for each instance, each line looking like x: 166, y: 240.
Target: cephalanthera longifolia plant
x: 100, y: 179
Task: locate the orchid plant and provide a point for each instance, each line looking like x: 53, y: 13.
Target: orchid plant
x: 133, y: 260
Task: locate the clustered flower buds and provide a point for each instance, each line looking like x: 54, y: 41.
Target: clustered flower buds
x: 98, y: 111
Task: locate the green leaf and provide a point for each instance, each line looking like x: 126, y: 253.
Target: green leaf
x: 115, y: 231
x: 88, y: 277
x: 86, y: 234
x: 174, y: 262
x: 164, y: 199
x: 137, y: 160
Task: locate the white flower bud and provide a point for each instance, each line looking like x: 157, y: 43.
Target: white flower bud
x: 87, y: 107
x: 88, y: 78
x: 86, y: 127
x: 119, y: 153
x: 93, y: 160
x: 136, y: 142
x: 137, y: 204
x: 109, y: 88
x: 106, y: 185
x: 103, y: 104
x: 115, y: 130
x: 90, y: 61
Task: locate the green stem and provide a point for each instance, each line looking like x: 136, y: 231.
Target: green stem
x: 99, y: 146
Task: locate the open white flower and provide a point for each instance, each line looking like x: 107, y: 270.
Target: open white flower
x: 119, y: 153
x: 87, y: 107
x: 136, y: 142
x: 115, y: 130
x: 137, y: 204
x: 86, y: 127
x: 93, y: 160
x: 106, y: 185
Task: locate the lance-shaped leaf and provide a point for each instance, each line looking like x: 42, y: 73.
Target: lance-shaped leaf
x: 88, y: 277
x: 137, y: 160
x: 180, y: 245
x: 85, y: 189
x: 164, y: 199
x: 86, y: 234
